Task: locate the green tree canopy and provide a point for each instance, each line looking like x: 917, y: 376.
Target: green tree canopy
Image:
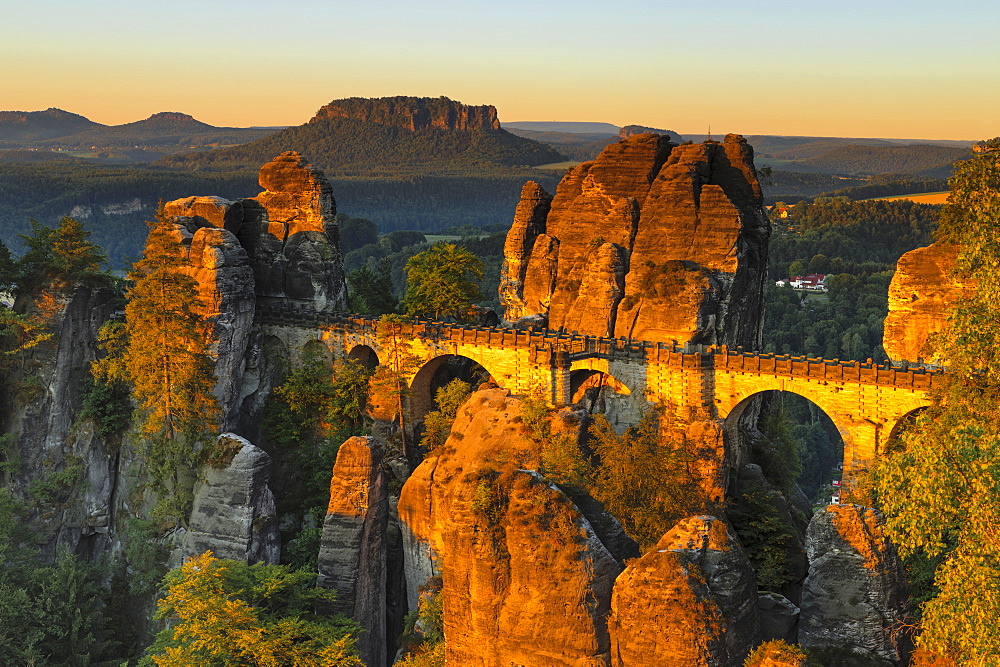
x: 940, y: 488
x: 371, y: 290
x: 58, y: 257
x: 228, y: 614
x: 443, y: 282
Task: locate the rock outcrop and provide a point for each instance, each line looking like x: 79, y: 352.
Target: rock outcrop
x: 290, y: 232
x: 222, y: 270
x: 650, y: 241
x: 526, y: 580
x: 40, y: 409
x: 352, y: 556
x: 233, y: 514
x: 413, y: 113
x: 632, y: 130
x: 855, y: 596
x: 689, y: 601
x: 922, y: 295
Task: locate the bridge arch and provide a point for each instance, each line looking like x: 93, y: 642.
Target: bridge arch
x: 905, y: 420
x: 437, y: 372
x: 365, y: 354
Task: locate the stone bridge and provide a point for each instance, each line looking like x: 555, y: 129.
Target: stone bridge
x: 867, y: 402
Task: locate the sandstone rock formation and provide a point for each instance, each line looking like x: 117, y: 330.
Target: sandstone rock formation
x: 282, y: 246
x: 413, y: 113
x: 526, y: 579
x: 352, y: 557
x: 39, y: 410
x: 922, y: 295
x: 689, y: 601
x: 779, y: 618
x: 290, y: 232
x: 856, y: 593
x: 650, y: 241
x: 220, y: 266
x: 233, y: 514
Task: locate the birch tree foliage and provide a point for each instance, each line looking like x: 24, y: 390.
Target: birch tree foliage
x: 940, y: 488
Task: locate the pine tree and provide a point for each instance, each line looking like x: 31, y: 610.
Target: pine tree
x: 168, y: 366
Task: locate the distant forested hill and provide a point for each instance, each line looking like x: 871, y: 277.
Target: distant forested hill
x: 922, y: 159
x: 351, y: 147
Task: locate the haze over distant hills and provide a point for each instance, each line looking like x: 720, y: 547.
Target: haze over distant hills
x: 55, y: 129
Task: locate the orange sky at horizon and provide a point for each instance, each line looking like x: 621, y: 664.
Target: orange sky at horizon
x: 868, y: 71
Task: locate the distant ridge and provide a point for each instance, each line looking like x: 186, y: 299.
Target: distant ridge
x: 564, y: 126
x: 164, y: 131
x: 389, y: 136
x: 32, y: 126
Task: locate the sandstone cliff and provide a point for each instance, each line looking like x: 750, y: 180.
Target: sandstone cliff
x: 233, y: 513
x: 221, y: 267
x: 922, y: 295
x: 650, y: 241
x: 40, y: 405
x: 526, y: 580
x: 413, y: 113
x: 856, y: 593
x: 352, y: 557
x: 689, y: 601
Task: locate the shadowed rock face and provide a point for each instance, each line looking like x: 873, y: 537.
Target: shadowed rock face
x: 689, y: 601
x: 413, y: 113
x: 233, y: 514
x: 856, y: 593
x: 922, y: 295
x: 222, y: 270
x: 650, y: 240
x: 352, y: 557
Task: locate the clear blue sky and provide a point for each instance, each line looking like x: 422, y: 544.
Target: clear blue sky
x: 853, y: 68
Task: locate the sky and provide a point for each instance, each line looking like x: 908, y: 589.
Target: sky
x: 875, y: 68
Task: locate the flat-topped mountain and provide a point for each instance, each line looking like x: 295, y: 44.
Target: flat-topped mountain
x: 413, y: 113
x: 395, y: 135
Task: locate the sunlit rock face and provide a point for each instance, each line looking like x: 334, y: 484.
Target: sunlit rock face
x: 413, y: 113
x: 689, y: 601
x: 855, y: 596
x: 922, y: 295
x: 526, y: 580
x: 650, y: 241
x: 352, y: 557
x: 290, y: 232
x: 224, y: 276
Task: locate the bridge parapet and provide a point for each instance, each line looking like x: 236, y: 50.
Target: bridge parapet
x: 559, y: 348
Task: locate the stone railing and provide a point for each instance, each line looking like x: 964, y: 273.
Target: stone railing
x: 563, y: 348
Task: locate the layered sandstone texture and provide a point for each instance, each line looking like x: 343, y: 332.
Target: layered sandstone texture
x: 280, y: 247
x: 922, y: 295
x: 856, y: 593
x: 352, y: 556
x: 290, y: 232
x: 222, y: 270
x: 689, y: 601
x: 233, y: 514
x: 650, y: 241
x: 526, y: 579
x: 413, y: 113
